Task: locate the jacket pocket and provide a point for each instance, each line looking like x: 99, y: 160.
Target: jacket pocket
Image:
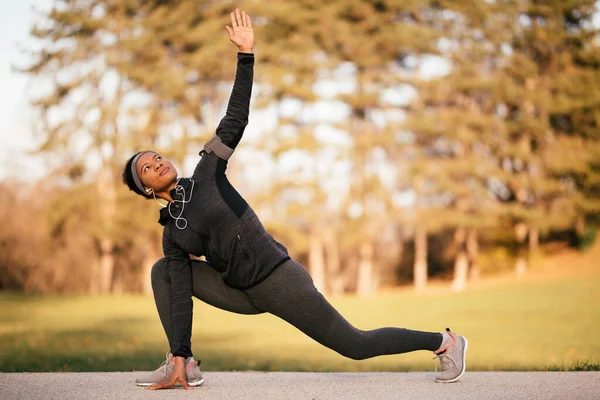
x: 241, y: 272
x: 213, y: 257
x: 241, y: 257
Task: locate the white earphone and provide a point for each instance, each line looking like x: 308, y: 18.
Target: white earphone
x: 181, y: 191
x: 150, y: 190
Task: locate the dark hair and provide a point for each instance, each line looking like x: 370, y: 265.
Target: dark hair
x: 128, y: 177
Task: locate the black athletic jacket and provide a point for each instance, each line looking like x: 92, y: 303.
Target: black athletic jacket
x: 220, y: 224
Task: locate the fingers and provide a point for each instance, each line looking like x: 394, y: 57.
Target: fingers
x: 230, y: 31
x: 170, y: 383
x: 160, y: 385
x: 238, y: 17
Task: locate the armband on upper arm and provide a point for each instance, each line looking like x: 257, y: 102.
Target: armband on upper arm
x: 215, y: 145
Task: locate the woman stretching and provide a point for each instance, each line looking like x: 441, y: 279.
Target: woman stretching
x: 246, y: 270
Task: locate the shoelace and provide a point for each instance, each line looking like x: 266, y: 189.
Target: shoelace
x: 165, y: 363
x: 446, y: 361
x: 445, y: 358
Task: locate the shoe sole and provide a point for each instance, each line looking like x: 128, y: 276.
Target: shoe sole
x: 464, y: 364
x: 193, y: 384
x: 197, y: 383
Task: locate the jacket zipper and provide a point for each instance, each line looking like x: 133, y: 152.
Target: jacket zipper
x: 243, y: 248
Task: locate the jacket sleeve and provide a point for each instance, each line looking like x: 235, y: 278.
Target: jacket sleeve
x: 179, y: 269
x: 232, y: 126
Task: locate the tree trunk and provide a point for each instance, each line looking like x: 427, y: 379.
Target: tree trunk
x: 107, y: 264
x: 316, y: 260
x: 350, y: 272
x: 461, y: 263
x: 118, y: 283
x: 473, y: 253
x: 107, y: 195
x: 521, y: 266
x: 521, y: 235
x: 335, y: 278
x: 534, y: 239
x: 420, y: 265
x: 365, y: 281
x: 151, y: 256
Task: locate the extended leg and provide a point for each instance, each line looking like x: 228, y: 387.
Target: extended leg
x: 290, y: 294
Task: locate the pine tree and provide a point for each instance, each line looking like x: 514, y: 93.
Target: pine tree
x: 125, y: 78
x: 83, y: 107
x: 550, y: 148
x: 575, y: 113
x: 455, y: 130
x: 373, y: 37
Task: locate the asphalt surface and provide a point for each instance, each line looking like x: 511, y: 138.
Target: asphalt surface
x: 307, y: 385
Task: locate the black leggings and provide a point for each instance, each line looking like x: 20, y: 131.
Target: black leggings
x: 290, y: 294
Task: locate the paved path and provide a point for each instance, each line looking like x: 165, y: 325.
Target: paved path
x: 309, y: 386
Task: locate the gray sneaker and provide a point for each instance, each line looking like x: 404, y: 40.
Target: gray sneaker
x: 192, y: 372
x: 453, y: 359
x: 162, y: 373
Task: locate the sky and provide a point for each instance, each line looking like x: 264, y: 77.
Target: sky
x: 16, y: 18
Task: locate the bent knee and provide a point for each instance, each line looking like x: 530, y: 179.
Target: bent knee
x: 159, y: 271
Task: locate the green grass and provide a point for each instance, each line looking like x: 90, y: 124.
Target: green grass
x: 533, y: 325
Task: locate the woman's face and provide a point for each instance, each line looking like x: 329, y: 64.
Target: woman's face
x: 155, y: 172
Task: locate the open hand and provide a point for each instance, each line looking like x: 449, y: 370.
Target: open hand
x: 240, y: 31
x: 177, y: 376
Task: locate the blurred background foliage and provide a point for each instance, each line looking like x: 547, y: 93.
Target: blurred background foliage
x: 390, y: 141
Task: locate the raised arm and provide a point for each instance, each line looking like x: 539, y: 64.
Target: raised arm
x: 231, y: 128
